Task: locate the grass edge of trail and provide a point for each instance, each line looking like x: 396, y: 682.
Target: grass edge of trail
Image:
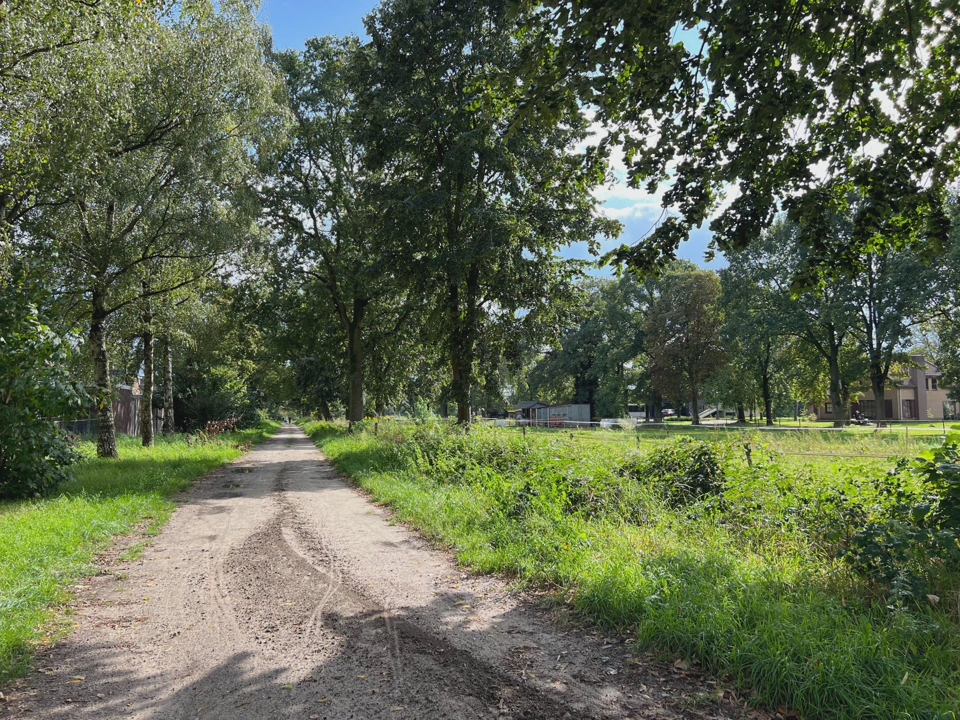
x: 49, y: 543
x: 772, y: 628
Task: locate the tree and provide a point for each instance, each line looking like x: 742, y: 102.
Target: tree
x: 146, y: 388
x: 823, y: 319
x: 754, y: 331
x: 221, y: 363
x: 682, y: 334
x: 170, y: 125
x: 946, y: 321
x: 876, y: 308
x: 321, y: 200
x: 301, y: 329
x: 794, y: 104
x: 165, y: 315
x: 592, y: 361
x: 894, y: 293
x: 46, y: 45
x: 479, y: 206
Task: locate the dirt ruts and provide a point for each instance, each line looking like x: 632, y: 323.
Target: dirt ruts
x: 279, y: 591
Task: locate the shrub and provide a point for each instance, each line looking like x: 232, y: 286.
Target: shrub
x: 34, y: 388
x: 920, y: 537
x: 685, y: 469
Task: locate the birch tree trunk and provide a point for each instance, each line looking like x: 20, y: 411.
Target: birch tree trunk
x: 106, y: 428
x: 146, y: 400
x: 168, y: 423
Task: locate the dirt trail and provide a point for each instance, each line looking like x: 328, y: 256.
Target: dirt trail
x: 279, y: 591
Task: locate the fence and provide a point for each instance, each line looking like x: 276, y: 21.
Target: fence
x: 634, y: 431
x: 127, y: 420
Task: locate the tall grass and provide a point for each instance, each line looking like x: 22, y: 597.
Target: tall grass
x: 47, y: 544
x: 744, y: 581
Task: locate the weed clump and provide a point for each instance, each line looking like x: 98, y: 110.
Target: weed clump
x: 685, y: 469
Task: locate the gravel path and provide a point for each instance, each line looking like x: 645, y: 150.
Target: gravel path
x: 277, y: 590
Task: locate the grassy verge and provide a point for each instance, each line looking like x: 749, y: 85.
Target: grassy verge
x: 48, y: 543
x: 745, y: 582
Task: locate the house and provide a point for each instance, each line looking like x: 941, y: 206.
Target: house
x: 569, y: 415
x: 526, y: 410
x: 919, y: 396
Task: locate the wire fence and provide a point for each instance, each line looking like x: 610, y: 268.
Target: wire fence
x: 637, y: 432
x: 730, y: 425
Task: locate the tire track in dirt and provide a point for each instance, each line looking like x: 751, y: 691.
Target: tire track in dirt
x: 281, y: 569
x: 278, y: 591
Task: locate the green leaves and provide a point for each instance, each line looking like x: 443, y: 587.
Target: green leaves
x: 35, y: 389
x: 784, y: 101
x: 480, y: 198
x: 906, y: 549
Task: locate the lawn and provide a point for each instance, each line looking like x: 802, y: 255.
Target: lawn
x: 47, y: 544
x: 745, y: 579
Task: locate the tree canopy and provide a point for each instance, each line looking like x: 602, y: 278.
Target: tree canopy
x: 741, y: 110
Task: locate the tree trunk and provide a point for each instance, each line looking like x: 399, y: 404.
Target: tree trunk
x: 462, y: 328
x: 878, y: 382
x: 841, y: 412
x: 741, y: 414
x: 657, y: 406
x: 353, y: 327
x: 461, y: 386
x: 380, y: 407
x: 767, y: 400
x: 355, y: 401
x: 106, y: 428
x: 694, y: 405
x: 146, y: 399
x: 168, y: 420
x: 325, y: 411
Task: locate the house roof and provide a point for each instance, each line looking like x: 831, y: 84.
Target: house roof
x: 527, y: 404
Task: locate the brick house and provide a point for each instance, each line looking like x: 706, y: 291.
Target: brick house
x: 919, y: 396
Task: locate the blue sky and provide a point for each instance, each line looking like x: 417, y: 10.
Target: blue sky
x: 294, y: 20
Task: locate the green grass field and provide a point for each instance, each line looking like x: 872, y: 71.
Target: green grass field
x: 47, y: 544
x: 745, y: 582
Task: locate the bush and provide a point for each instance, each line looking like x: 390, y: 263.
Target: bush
x: 685, y: 469
x: 919, y: 539
x: 34, y: 388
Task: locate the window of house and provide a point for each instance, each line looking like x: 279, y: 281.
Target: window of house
x: 868, y: 408
x: 933, y: 383
x: 828, y: 409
